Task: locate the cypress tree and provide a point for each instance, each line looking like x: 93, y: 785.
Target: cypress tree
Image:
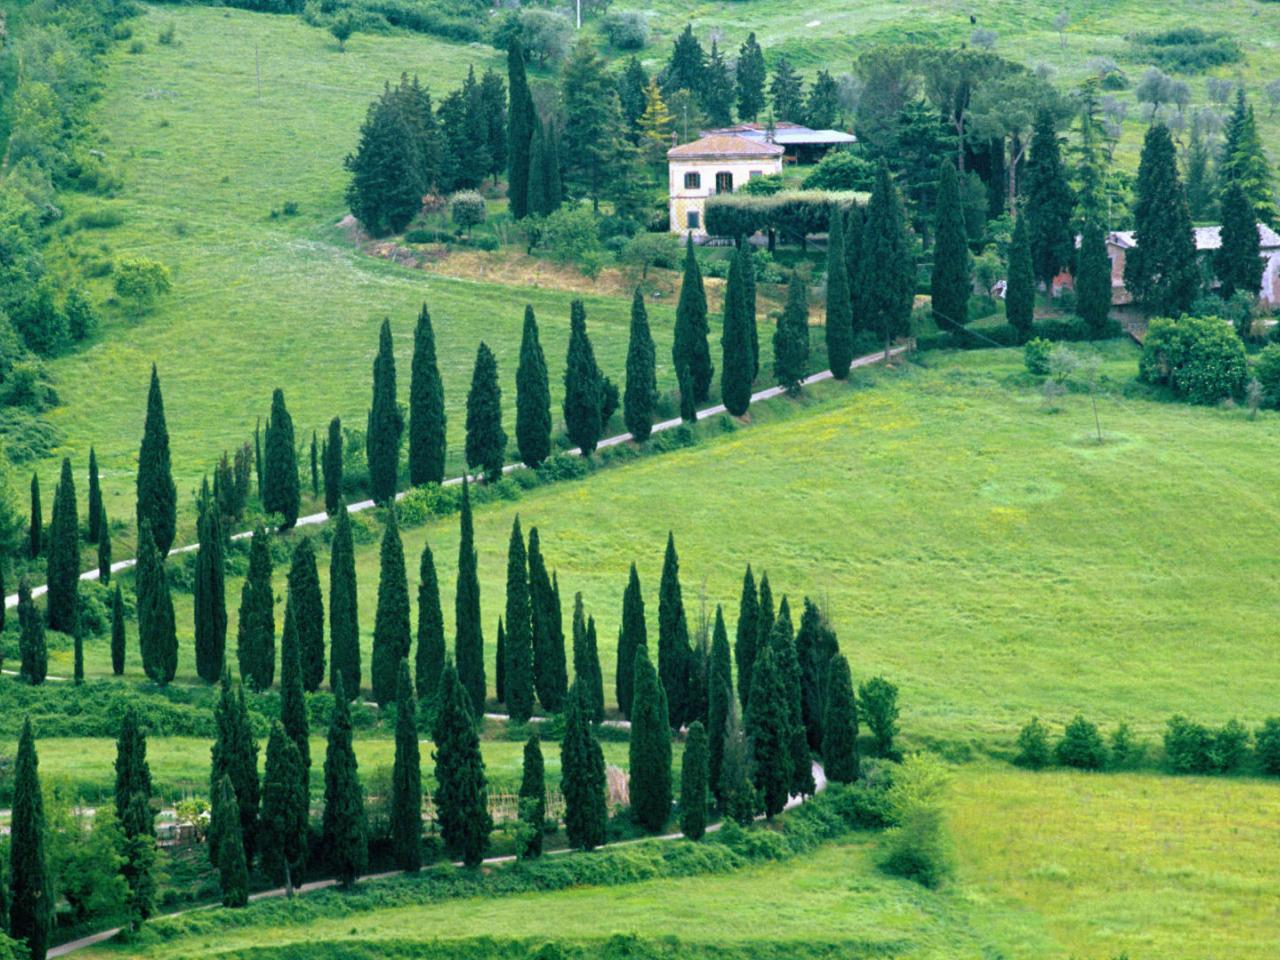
x: 539, y: 203
x: 632, y: 635
x: 333, y: 467
x: 256, y: 632
x: 344, y: 617
x: 293, y: 701
x: 1244, y: 161
x: 1238, y: 262
x: 688, y: 408
x: 840, y: 725
x: 315, y: 465
x: 673, y: 639
x: 533, y: 396
x: 133, y: 774
x: 1161, y: 270
x: 308, y: 610
x: 533, y: 797
x: 640, y: 397
x: 769, y: 726
x: 952, y: 280
x: 427, y: 419
x: 461, y: 797
x: 693, y: 783
x: 391, y: 619
x: 737, y: 794
x: 139, y: 853
x: 839, y: 327
x: 210, y: 591
x: 582, y: 777
x: 886, y: 283
x: 30, y: 903
x: 406, y: 778
x: 586, y: 663
x: 764, y: 624
x: 104, y: 548
x: 520, y: 119
x: 783, y: 642
x: 486, y: 440
x: 749, y: 301
x: 258, y: 463
x: 233, y: 868
x: 157, y: 636
x: 285, y: 809
x: 344, y: 831
x: 469, y: 642
x: 157, y: 495
x: 748, y: 631
x: 518, y: 671
x: 234, y: 756
x: 719, y: 699
x: 854, y: 228
x: 63, y: 568
x: 429, y: 660
x: 815, y: 646
x: 281, y: 491
x: 1020, y: 287
x: 791, y: 338
x: 385, y: 424
x: 737, y: 365
x: 36, y: 540
x: 689, y: 349
x: 650, y: 751
x: 550, y: 672
x: 500, y: 664
x: 583, y: 389
x: 117, y: 632
x: 77, y: 654
x: 1093, y: 279
x: 1049, y: 202
x: 95, y: 499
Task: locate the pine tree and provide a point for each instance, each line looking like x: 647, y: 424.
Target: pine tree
x: 839, y: 327
x: 1049, y: 202
x: 654, y: 124
x: 30, y: 903
x: 1244, y: 161
x: 157, y: 495
x: 281, y: 491
x: 429, y: 660
x: 426, y: 407
x: 344, y: 830
x: 486, y: 440
x: 285, y: 809
x: 533, y: 798
x: 533, y: 396
x: 118, y: 640
x: 256, y: 633
x: 500, y: 664
x: 1238, y: 262
x: 157, y: 636
x: 791, y: 337
x: 104, y: 548
x: 94, y: 512
x: 693, y: 783
x: 210, y: 591
x: 750, y: 79
x: 1200, y: 186
x: 1161, y: 270
x: 689, y: 349
x: 391, y: 619
x: 586, y: 663
x: 840, y: 726
x: 719, y: 698
x: 518, y: 671
x: 385, y: 424
x: 632, y: 635
x: 582, y: 778
x: 786, y: 90
x: 406, y: 778
x: 716, y: 95
x: 583, y: 390
x: 344, y: 618
x: 887, y: 276
x: 650, y: 753
x: 748, y: 630
x: 333, y: 467
x: 233, y: 869
x: 461, y: 796
x: 36, y: 540
x: 952, y: 268
x: 1020, y: 287
x: 469, y: 643
x: 823, y: 104
x: 550, y: 674
x: 640, y: 398
x: 737, y: 363
x: 737, y: 793
x: 1093, y: 280
x: 63, y: 567
x: 673, y: 641
x: 769, y: 726
x: 520, y: 118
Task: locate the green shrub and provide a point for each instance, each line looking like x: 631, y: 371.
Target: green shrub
x: 1186, y: 49
x: 918, y: 847
x: 626, y: 29
x: 1267, y: 369
x: 1267, y: 746
x: 878, y: 708
x: 141, y: 281
x: 793, y: 213
x: 569, y: 234
x: 841, y: 170
x: 1036, y: 356
x: 1126, y: 752
x: 1081, y: 746
x: 1033, y: 746
x: 1201, y: 359
x: 1194, y: 748
x: 467, y: 209
x: 1230, y: 747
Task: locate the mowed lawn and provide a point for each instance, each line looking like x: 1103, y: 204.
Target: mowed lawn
x: 983, y: 554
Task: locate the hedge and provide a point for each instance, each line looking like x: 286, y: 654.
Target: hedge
x: 1069, y: 329
x: 793, y: 213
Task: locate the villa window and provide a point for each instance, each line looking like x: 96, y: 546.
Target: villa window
x: 693, y: 181
x: 693, y: 220
x: 724, y: 182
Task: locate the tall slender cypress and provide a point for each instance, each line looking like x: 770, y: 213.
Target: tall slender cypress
x: 286, y: 810
x: 631, y: 635
x: 694, y: 771
x: 586, y: 662
x: 854, y: 228
x: 1049, y: 201
x: 1020, y: 287
x: 486, y: 446
x: 344, y: 830
x: 344, y: 616
x: 650, y: 751
x: 640, y: 396
x: 30, y: 903
x: 533, y: 396
x: 256, y: 631
x: 550, y: 671
x: 736, y: 791
x: 157, y: 496
x: 1093, y: 279
x: 791, y: 337
x: 315, y: 465
x: 1238, y: 262
x: 764, y: 620
x: 385, y: 424
x: 582, y: 778
x: 232, y: 862
x: 783, y: 642
x: 104, y: 548
x: 258, y: 463
x: 281, y: 490
x: 769, y: 727
x: 886, y: 284
x: 689, y: 348
x: 461, y: 797
x: 333, y: 467
x: 210, y: 591
x: 430, y: 655
x: 520, y: 120
x: 737, y: 365
x: 519, y: 640
x: 133, y: 774
x: 952, y: 280
x: 133, y: 811
x: 406, y: 778
x: 308, y: 608
x: 235, y: 756
x: 63, y: 568
x: 747, y: 256
x: 839, y: 329
x: 94, y: 512
x: 816, y: 644
x: 840, y: 725
x: 500, y: 665
x: 293, y: 701
x: 1161, y: 270
x: 35, y: 541
x: 533, y: 797
x: 427, y: 419
x: 748, y: 631
x: 719, y: 698
x: 673, y: 642
x: 469, y: 641
x: 157, y: 635
x: 391, y: 637
x: 118, y: 639
x: 583, y: 387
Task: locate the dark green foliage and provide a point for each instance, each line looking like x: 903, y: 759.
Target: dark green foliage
x: 550, y: 672
x: 791, y: 338
x: 1049, y: 203
x: 36, y: 540
x: 693, y: 783
x: 1160, y: 271
x: 747, y: 256
x: 1238, y: 262
x: 764, y: 620
x: 344, y: 619
x: 344, y: 831
x: 673, y: 637
x: 469, y: 642
x: 737, y: 366
x: 786, y: 89
x: 293, y: 701
x: 426, y: 407
x: 816, y: 644
x: 157, y: 496
x: 429, y: 660
x: 518, y: 649
x: 486, y: 440
x: 632, y: 635
x: 1033, y: 746
x: 783, y: 642
x: 769, y: 727
x: 461, y: 795
x: 391, y: 620
x: 533, y: 396
x: 500, y: 664
x: 104, y: 548
x: 308, y: 611
x: 233, y: 869
x: 210, y: 591
x: 689, y: 349
x: 117, y: 632
x: 839, y: 327
x: 736, y: 790
x: 385, y: 423
x: 719, y: 699
x: 840, y: 725
x: 640, y: 397
x: 139, y: 851
x: 750, y: 79
x: 582, y: 777
x: 878, y: 708
x: 1020, y: 288
x: 257, y: 455
x: 281, y: 492
x: 1093, y: 279
x: 748, y: 631
x: 586, y: 663
x: 315, y: 465
x: 1267, y: 746
x: 886, y: 281
x: 94, y: 512
x: 533, y: 798
x: 77, y: 667
x: 406, y: 778
x: 583, y: 389
x: 285, y: 809
x: 952, y: 269
x: 1244, y: 160
x: 133, y: 775
x: 1081, y: 746
x: 30, y: 903
x: 256, y: 633
x: 1200, y: 358
x: 63, y: 569
x: 520, y: 121
x: 157, y: 636
x: 234, y: 756
x: 650, y: 754
x: 332, y: 461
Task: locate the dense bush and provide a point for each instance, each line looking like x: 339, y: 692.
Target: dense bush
x: 1267, y: 369
x: 1186, y: 49
x: 792, y: 213
x: 1081, y: 746
x: 918, y: 846
x: 626, y: 29
x: 570, y: 234
x: 1033, y: 746
x: 841, y: 170
x: 1194, y: 748
x: 1200, y: 358
x: 1036, y: 356
x: 467, y: 209
x: 1267, y: 745
x: 1069, y: 329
